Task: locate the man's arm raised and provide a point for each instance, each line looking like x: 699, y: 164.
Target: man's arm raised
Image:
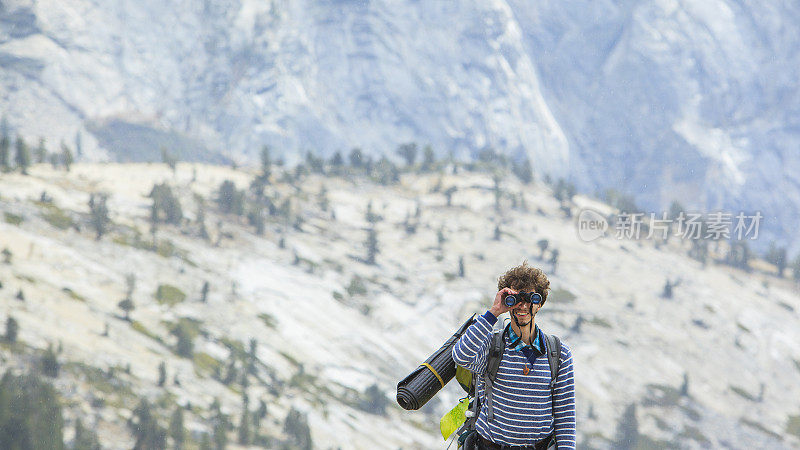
x: 470, y: 351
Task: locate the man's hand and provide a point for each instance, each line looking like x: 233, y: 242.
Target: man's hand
x: 498, y: 307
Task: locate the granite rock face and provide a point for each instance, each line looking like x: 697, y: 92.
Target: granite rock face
x: 693, y: 101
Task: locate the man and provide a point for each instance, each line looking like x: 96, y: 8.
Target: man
x: 525, y: 415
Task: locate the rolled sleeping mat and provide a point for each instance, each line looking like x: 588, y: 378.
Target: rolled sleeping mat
x: 426, y: 380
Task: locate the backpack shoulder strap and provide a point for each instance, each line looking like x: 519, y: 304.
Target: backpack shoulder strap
x: 553, y: 356
x: 553, y: 344
x: 496, y: 348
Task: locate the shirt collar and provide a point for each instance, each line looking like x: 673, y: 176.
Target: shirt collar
x: 516, y: 343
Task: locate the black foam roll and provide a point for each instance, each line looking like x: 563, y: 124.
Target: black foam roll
x: 422, y: 384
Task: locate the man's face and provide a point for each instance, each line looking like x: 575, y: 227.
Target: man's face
x: 524, y: 312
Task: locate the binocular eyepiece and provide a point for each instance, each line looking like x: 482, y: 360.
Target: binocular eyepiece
x: 531, y: 297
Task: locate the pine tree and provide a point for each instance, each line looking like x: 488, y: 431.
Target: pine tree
x: 12, y: 330
x: 23, y: 157
x: 322, y: 199
x: 386, y: 172
x: 337, y: 162
x: 410, y: 227
x: 256, y: 218
x: 266, y: 164
x: 200, y: 219
x: 314, y: 163
x: 162, y: 374
x: 296, y: 428
x: 554, y: 259
x: 54, y: 159
x: 169, y: 159
x: 259, y: 415
x: 369, y: 165
x: 739, y: 255
x: 148, y: 433
x: 164, y: 200
x: 229, y: 199
x: 667, y: 292
x: 685, y: 386
x: 220, y: 427
x: 50, y: 364
x: 371, y: 217
x: 30, y: 414
x: 177, y: 432
x: 372, y: 246
x: 66, y: 156
x: 244, y: 422
x: 428, y: 159
x: 374, y: 401
x: 204, y: 292
x: 777, y: 256
x: 231, y: 373
x: 542, y: 244
x: 78, y: 144
x: 576, y: 326
x: 5, y: 146
x: 498, y: 192
x: 461, y: 266
x: 99, y: 214
x: 185, y: 345
x: 448, y: 193
x: 127, y: 306
x: 252, y: 357
x: 524, y: 171
x: 285, y: 210
x: 41, y: 152
x: 675, y: 210
x: 627, y: 429
x: 408, y: 152
x: 85, y: 438
x: 205, y: 442
x: 258, y: 187
x: 780, y: 261
x: 356, y: 158
x: 796, y: 268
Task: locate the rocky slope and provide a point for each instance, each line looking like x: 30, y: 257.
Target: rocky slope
x: 328, y: 326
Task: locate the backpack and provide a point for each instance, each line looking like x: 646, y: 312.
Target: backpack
x: 467, y: 381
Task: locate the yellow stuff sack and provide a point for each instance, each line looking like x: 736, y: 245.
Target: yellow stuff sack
x: 464, y: 378
x: 451, y: 421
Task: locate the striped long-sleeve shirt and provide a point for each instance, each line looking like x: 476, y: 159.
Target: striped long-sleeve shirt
x: 523, y: 411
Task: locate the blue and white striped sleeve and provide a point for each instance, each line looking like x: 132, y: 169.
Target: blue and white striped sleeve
x: 470, y: 351
x: 564, y: 402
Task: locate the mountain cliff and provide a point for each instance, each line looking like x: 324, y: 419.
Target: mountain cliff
x: 695, y: 101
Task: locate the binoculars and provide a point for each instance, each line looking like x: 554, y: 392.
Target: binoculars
x: 532, y: 297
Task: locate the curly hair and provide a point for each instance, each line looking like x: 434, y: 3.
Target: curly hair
x: 525, y: 278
